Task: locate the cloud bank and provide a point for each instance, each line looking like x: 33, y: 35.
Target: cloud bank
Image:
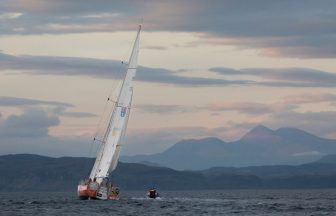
x: 278, y: 28
x: 100, y: 68
x: 28, y: 132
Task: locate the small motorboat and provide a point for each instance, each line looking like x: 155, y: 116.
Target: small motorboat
x: 152, y: 193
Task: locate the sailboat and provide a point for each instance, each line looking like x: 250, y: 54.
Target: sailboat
x: 97, y: 185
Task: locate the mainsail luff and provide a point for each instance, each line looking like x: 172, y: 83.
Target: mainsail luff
x: 108, y: 155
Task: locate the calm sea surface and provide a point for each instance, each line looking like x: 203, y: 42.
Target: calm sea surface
x: 235, y: 202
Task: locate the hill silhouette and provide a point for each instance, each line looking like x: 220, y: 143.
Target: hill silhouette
x: 38, y: 173
x: 260, y: 146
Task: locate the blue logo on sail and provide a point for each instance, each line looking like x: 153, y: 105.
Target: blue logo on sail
x: 123, y: 111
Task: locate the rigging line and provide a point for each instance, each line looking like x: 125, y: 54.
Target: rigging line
x: 126, y: 55
x: 97, y: 128
x: 105, y: 135
x: 91, y: 146
x: 114, y: 86
x: 112, y: 113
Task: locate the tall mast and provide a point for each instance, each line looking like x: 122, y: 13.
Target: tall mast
x: 108, y: 155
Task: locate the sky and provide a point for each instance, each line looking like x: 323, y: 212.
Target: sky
x: 206, y: 68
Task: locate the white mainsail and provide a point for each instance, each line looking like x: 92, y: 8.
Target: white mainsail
x: 108, y: 154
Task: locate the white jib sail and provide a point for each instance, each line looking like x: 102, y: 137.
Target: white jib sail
x: 107, y: 158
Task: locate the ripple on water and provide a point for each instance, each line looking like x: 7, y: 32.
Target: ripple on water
x: 243, y: 202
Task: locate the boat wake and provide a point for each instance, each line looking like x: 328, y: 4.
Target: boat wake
x: 147, y: 198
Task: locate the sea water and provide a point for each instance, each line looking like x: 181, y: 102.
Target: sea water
x: 227, y: 202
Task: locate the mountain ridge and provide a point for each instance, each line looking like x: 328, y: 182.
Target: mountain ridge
x: 40, y: 173
x: 259, y: 146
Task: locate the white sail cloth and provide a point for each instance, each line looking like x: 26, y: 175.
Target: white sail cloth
x: 108, y: 154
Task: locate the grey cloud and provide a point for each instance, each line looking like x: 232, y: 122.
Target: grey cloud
x: 320, y: 123
x: 301, y: 46
x: 312, y: 51
x: 229, y: 17
x: 55, y: 107
x: 287, y: 105
x: 167, y: 109
x: 99, y: 68
x: 32, y: 123
x: 61, y: 65
x: 72, y: 66
x: 247, y: 108
x: 29, y: 133
x: 295, y: 74
x: 155, y: 47
x: 18, y: 102
x: 299, y: 77
x: 286, y: 27
x: 78, y: 114
x: 62, y: 111
x: 310, y: 98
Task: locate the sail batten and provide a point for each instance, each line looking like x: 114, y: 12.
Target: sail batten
x: 109, y: 151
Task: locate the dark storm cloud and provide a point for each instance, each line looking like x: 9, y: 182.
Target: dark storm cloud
x: 289, y: 27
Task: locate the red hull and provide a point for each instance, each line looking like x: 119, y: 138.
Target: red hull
x: 84, y: 192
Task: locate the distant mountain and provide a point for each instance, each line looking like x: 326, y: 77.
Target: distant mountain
x: 188, y: 154
x: 328, y: 159
x: 260, y: 133
x: 38, y: 173
x: 323, y: 166
x: 260, y: 146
